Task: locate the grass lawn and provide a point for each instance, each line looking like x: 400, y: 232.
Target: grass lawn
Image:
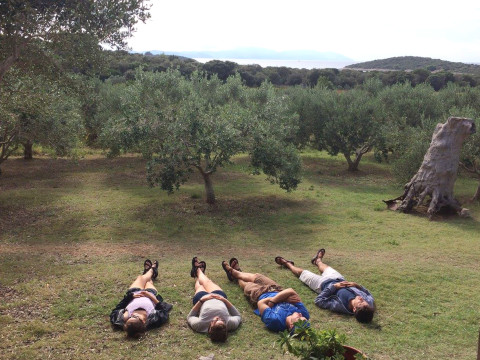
x: 74, y: 234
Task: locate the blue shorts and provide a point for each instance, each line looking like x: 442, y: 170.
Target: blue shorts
x: 201, y: 294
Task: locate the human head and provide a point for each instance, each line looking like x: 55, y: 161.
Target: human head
x: 292, y: 319
x: 135, y: 327
x: 218, y: 330
x: 363, y: 312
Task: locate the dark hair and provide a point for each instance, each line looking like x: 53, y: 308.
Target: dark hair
x: 218, y: 332
x: 135, y: 328
x: 364, y: 314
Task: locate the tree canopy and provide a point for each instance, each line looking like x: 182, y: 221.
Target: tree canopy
x: 34, y: 110
x: 32, y: 26
x: 199, y: 124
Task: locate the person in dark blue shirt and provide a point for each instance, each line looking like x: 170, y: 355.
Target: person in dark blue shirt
x: 278, y: 308
x: 334, y: 293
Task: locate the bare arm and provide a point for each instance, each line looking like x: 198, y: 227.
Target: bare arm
x: 225, y: 301
x: 345, y: 284
x: 264, y: 304
x: 196, y: 308
x: 193, y: 316
x: 148, y: 295
x: 288, y: 295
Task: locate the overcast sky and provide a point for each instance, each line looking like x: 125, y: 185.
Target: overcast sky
x: 361, y: 30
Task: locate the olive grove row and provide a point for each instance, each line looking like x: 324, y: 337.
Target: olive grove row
x: 198, y: 123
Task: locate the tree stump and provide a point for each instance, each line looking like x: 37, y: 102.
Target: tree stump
x: 438, y: 172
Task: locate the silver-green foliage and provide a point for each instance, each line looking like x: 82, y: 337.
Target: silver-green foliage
x: 338, y: 122
x: 410, y: 146
x: 409, y: 116
x: 200, y: 123
x: 350, y: 127
x: 29, y: 28
x: 33, y: 110
x: 402, y: 103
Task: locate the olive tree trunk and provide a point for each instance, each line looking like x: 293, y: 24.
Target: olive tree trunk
x: 207, y: 181
x: 476, y: 197
x: 28, y: 150
x: 353, y: 164
x: 209, y: 188
x: 438, y: 172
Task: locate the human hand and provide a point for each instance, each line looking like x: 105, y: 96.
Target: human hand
x: 143, y: 294
x: 206, y: 297
x: 345, y: 284
x: 270, y: 302
x: 293, y: 298
x: 340, y: 285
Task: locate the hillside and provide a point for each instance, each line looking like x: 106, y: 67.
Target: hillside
x: 415, y: 62
x: 258, y: 53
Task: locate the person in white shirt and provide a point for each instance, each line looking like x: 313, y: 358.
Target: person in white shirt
x: 211, y: 313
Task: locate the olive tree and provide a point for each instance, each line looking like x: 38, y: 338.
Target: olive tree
x: 347, y: 125
x: 310, y: 107
x: 29, y: 27
x: 402, y: 103
x: 183, y: 126
x: 33, y: 110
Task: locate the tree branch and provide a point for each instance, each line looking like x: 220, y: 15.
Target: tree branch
x: 474, y: 169
x: 364, y: 149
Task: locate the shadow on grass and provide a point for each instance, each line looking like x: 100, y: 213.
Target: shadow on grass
x: 32, y: 192
x: 19, y: 173
x: 29, y: 192
x: 232, y: 214
x: 233, y: 223
x: 335, y: 167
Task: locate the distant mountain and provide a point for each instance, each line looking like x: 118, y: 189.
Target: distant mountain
x: 406, y: 63
x: 258, y: 53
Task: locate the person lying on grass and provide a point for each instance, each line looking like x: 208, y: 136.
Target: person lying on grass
x: 142, y: 308
x: 211, y: 313
x: 334, y: 293
x: 279, y: 309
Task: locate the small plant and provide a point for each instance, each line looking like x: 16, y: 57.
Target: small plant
x: 311, y: 344
x: 393, y: 242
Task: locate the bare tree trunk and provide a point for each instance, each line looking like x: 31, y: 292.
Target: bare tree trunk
x: 209, y: 188
x: 353, y: 165
x: 476, y: 197
x: 6, y: 147
x: 28, y: 150
x: 207, y: 181
x: 438, y: 172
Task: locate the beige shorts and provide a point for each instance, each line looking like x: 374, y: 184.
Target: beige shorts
x: 315, y: 281
x: 260, y: 285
